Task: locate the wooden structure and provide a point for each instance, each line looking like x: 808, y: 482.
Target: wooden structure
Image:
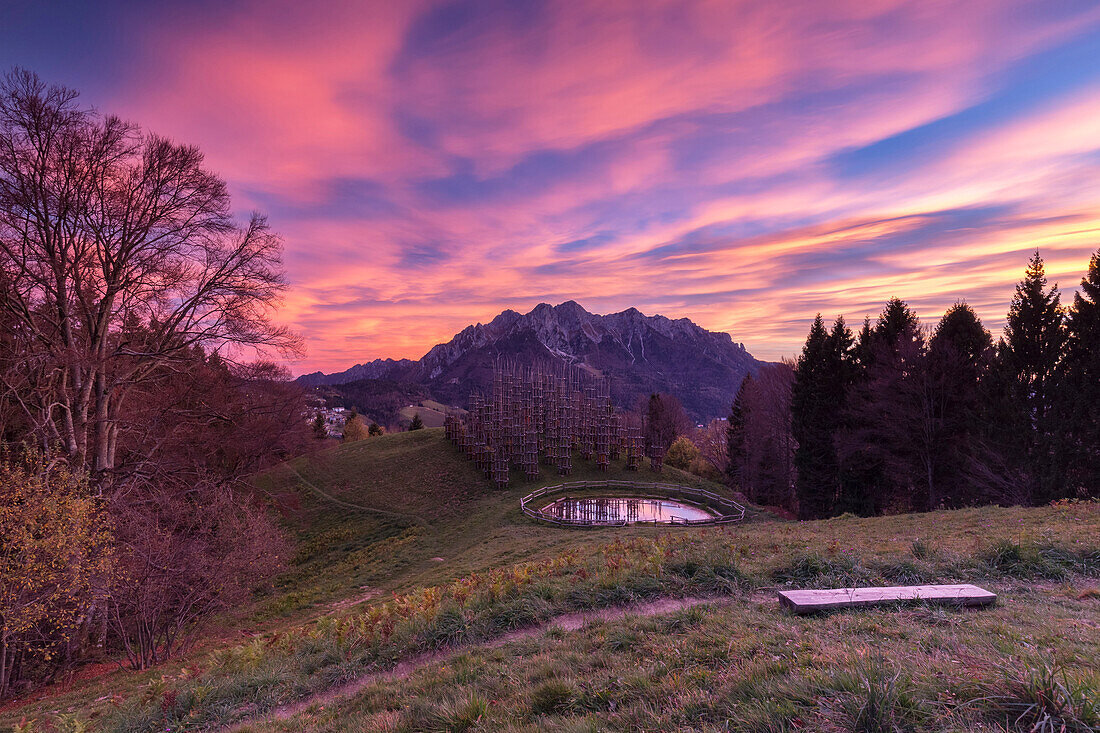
x: 543, y: 414
x: 812, y: 601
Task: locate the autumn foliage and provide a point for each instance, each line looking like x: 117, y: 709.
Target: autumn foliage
x: 136, y: 320
x: 57, y: 563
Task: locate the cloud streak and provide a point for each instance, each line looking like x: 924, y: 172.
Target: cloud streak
x: 743, y: 164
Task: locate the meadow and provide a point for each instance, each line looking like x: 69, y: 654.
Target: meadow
x: 432, y: 414
x: 420, y: 599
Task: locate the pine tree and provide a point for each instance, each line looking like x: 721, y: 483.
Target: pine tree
x: 417, y: 423
x: 896, y: 323
x: 861, y: 351
x: 375, y: 429
x: 841, y: 355
x: 1084, y: 316
x: 1080, y: 398
x: 884, y: 447
x: 1034, y: 337
x: 735, y: 436
x: 1030, y: 354
x: 959, y: 356
x: 961, y: 335
x: 817, y: 396
x: 320, y: 432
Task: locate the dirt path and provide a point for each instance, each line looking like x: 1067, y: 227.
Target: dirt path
x: 565, y: 622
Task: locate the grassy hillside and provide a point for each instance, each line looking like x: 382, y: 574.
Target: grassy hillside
x: 432, y: 418
x: 407, y: 510
x: 406, y: 558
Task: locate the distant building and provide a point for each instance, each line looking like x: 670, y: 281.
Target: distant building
x: 333, y: 417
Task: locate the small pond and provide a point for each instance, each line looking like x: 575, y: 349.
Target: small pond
x: 624, y: 509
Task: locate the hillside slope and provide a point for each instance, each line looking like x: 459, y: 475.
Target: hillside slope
x: 407, y: 558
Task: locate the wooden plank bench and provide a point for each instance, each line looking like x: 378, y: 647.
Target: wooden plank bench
x: 810, y: 601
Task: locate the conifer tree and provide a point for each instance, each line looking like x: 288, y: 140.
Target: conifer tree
x: 1034, y: 337
x: 817, y: 398
x: 417, y: 423
x: 1081, y: 394
x: 959, y: 356
x: 859, y: 472
x: 896, y: 323
x: 885, y: 446
x: 841, y: 354
x: 735, y: 436
x: 1030, y: 353
x: 861, y: 351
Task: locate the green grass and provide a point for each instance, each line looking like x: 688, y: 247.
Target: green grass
x: 404, y: 550
x: 746, y: 667
x: 420, y: 500
x: 431, y: 417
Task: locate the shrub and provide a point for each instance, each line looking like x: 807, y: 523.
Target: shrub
x: 354, y: 429
x: 1043, y: 698
x: 55, y: 563
x: 185, y: 558
x: 449, y: 627
x: 681, y: 453
x: 902, y: 572
x: 554, y: 696
x: 1029, y: 560
x: 813, y: 569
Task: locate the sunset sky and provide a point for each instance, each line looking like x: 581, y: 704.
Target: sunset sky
x: 743, y: 164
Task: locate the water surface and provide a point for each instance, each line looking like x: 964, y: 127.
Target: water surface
x: 624, y: 509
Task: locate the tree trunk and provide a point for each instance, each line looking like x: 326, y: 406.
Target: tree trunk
x: 101, y: 450
x: 4, y: 672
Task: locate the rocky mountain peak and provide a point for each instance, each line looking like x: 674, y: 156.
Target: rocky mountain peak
x: 639, y: 353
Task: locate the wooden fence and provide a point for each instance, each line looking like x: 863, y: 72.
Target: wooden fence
x: 729, y: 510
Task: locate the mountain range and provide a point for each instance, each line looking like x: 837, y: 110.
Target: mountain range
x: 639, y: 354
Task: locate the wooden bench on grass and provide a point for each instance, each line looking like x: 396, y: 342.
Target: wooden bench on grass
x: 811, y: 601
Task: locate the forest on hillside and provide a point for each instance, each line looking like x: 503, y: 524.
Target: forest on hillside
x: 902, y: 417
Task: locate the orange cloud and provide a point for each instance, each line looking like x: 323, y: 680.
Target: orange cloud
x: 432, y: 164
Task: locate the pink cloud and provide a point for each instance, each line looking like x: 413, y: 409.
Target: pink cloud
x: 668, y: 124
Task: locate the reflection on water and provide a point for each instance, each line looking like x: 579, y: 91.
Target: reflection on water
x: 600, y: 511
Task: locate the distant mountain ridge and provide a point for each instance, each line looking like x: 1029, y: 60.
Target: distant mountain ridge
x: 639, y: 354
x: 377, y: 369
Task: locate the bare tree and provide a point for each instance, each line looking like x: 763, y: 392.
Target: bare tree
x: 130, y: 299
x: 119, y: 256
x: 714, y: 445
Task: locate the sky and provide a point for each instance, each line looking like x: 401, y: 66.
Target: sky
x: 742, y: 164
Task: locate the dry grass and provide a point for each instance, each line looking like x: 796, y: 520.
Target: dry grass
x: 741, y: 665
